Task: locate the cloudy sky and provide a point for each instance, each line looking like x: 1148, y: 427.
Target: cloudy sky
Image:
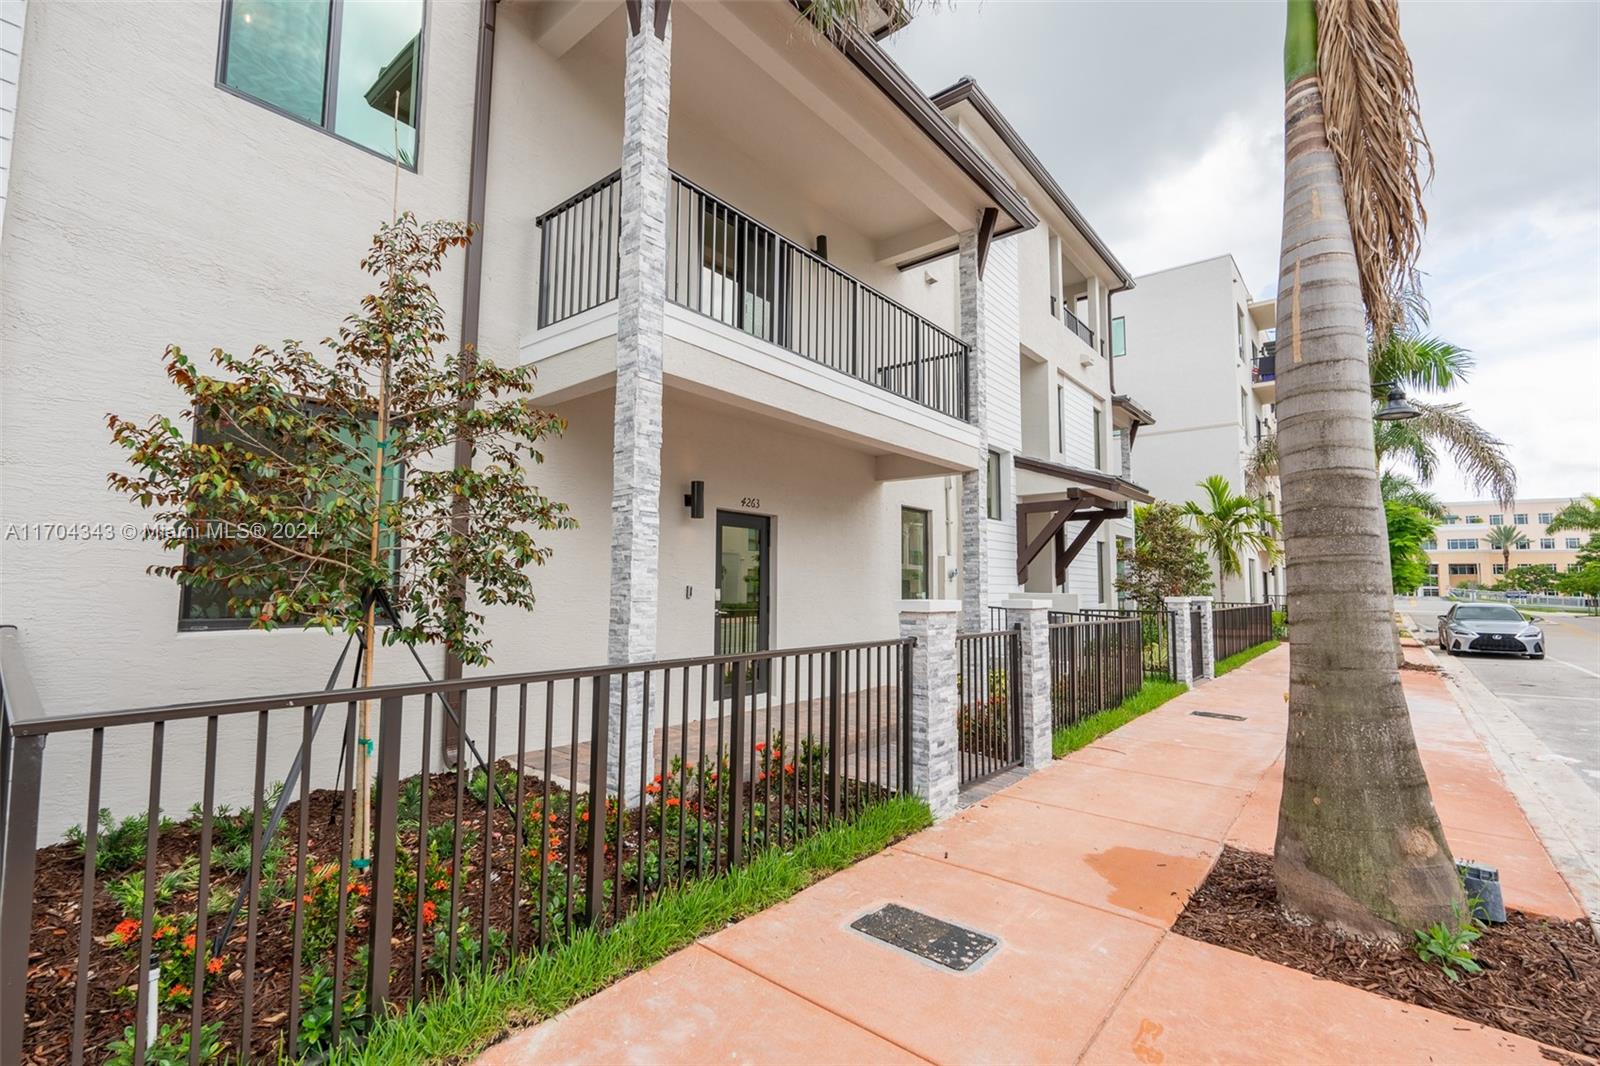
x: 1163, y: 121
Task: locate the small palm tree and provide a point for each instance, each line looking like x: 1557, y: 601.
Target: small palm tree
x: 1230, y: 523
x: 1504, y: 538
x: 1398, y: 488
x: 1581, y: 514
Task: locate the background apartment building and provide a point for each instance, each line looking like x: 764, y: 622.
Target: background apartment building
x: 1461, y: 552
x: 867, y: 325
x: 1197, y: 352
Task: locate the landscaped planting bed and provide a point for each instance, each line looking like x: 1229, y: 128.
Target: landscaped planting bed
x: 535, y: 898
x: 1540, y: 979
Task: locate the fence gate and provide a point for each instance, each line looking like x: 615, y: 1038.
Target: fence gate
x: 989, y: 721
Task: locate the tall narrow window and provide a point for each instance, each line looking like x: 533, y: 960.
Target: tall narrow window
x: 1061, y: 419
x: 1099, y: 441
x: 913, y: 554
x: 1101, y: 571
x: 993, y: 509
x: 352, y: 67
x: 1119, y: 337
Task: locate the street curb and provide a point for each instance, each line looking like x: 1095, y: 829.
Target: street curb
x: 1558, y: 804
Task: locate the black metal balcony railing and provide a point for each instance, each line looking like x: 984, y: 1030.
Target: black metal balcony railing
x: 1077, y: 326
x: 1265, y: 367
x: 727, y: 266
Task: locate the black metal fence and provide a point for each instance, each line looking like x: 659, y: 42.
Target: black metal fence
x: 250, y: 935
x: 1238, y: 626
x: 725, y: 265
x: 1155, y: 635
x: 1094, y: 666
x: 989, y: 714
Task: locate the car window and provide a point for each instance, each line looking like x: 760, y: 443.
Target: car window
x: 1488, y: 612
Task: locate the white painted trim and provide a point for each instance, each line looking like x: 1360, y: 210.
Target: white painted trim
x: 583, y: 328
x: 930, y: 606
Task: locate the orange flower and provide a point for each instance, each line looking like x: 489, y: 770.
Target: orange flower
x: 361, y: 888
x: 657, y: 779
x: 214, y: 966
x: 789, y: 769
x: 177, y: 991
x: 441, y: 884
x: 586, y: 816
x: 429, y: 912
x: 652, y: 789
x: 126, y: 930
x: 188, y: 942
x: 762, y: 776
x: 761, y: 745
x: 673, y: 801
x: 165, y: 930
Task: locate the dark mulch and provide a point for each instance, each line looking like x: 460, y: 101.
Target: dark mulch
x: 1421, y: 668
x: 1541, y: 977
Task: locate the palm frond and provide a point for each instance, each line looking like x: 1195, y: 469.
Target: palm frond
x: 1397, y: 488
x: 1404, y: 442
x: 1419, y: 361
x: 1581, y: 514
x: 1261, y: 465
x: 1374, y: 128
x: 1478, y: 455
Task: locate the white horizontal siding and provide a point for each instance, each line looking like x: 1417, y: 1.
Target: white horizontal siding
x: 1003, y: 406
x: 11, y: 16
x: 1077, y: 442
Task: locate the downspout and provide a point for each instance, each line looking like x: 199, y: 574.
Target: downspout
x: 471, y: 298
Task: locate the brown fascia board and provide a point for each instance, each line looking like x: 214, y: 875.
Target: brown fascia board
x: 969, y: 90
x: 874, y: 62
x: 1136, y: 493
x: 1140, y: 415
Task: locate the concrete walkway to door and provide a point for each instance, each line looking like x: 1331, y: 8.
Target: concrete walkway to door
x: 1078, y: 871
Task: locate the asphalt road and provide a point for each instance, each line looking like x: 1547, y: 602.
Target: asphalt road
x: 1558, y: 698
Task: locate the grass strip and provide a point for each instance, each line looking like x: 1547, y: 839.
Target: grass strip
x: 1233, y: 662
x: 471, y: 1012
x: 1148, y: 698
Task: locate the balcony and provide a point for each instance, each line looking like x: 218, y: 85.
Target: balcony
x: 726, y: 266
x: 1264, y: 373
x: 1072, y: 322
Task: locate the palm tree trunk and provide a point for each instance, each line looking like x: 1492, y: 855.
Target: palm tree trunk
x: 1359, y: 844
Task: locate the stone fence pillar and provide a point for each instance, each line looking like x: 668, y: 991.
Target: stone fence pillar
x: 1034, y: 618
x: 935, y: 774
x: 1207, y: 638
x: 1183, y: 639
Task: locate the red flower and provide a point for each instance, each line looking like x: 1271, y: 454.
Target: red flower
x: 789, y: 769
x: 586, y: 816
x: 188, y: 942
x: 441, y: 884
x: 673, y: 801
x: 429, y: 912
x: 761, y: 745
x: 653, y: 789
x: 126, y: 930
x: 361, y: 888
x: 657, y: 779
x: 177, y: 991
x: 214, y: 966
x: 762, y: 776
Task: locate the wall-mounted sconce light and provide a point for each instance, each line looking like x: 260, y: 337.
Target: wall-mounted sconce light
x: 822, y: 246
x: 695, y: 499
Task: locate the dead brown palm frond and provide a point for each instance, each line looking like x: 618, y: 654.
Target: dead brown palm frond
x: 1375, y: 130
x: 836, y: 19
x: 1261, y: 465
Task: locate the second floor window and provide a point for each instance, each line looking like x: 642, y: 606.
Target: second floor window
x: 350, y: 67
x: 1574, y: 543
x: 1119, y: 337
x: 1099, y: 439
x: 1061, y: 419
x: 1519, y: 519
x: 1457, y: 544
x: 1497, y: 520
x: 1545, y: 517
x: 1474, y: 519
x: 1547, y: 543
x: 993, y: 507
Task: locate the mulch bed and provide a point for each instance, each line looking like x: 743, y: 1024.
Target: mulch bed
x: 1541, y: 977
x: 113, y: 968
x: 1421, y: 668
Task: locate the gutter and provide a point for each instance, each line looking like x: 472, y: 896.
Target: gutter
x: 472, y: 297
x: 967, y: 89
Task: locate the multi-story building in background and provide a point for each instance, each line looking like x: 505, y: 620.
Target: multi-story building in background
x: 1198, y: 352
x: 1461, y: 553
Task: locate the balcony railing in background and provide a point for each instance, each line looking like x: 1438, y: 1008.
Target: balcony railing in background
x: 1265, y: 367
x: 1077, y: 326
x: 727, y: 266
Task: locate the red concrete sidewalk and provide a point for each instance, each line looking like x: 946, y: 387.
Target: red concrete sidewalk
x: 1078, y: 871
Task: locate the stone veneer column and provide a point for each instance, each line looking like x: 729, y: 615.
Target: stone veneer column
x: 636, y: 435
x: 1034, y: 617
x: 1207, y: 638
x: 1182, y: 639
x: 974, y: 483
x: 935, y: 775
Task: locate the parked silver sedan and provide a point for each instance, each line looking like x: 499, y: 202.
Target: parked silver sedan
x: 1489, y: 627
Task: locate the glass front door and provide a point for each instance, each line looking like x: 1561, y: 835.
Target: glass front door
x: 744, y: 584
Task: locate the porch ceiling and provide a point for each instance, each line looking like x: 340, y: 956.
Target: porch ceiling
x: 754, y: 91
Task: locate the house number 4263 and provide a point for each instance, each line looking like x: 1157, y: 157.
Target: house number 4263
x: 750, y: 501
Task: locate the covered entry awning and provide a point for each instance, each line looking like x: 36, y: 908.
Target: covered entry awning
x: 1061, y: 494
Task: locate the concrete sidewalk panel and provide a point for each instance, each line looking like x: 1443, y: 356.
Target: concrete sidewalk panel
x: 1198, y: 1003
x: 1119, y: 866
x: 1036, y: 998
x: 1180, y: 806
x: 694, y: 1007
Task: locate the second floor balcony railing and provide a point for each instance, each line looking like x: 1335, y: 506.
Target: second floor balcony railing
x: 1075, y: 325
x: 1266, y: 365
x: 725, y: 265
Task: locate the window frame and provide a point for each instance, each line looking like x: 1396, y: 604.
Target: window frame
x: 330, y: 83
x: 994, y: 501
x: 1546, y: 517
x: 927, y: 553
x: 1519, y: 519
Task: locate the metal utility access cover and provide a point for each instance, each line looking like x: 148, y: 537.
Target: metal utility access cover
x: 938, y: 941
x: 1218, y: 714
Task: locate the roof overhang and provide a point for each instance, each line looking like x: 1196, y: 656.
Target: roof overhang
x: 1039, y: 480
x: 1264, y: 313
x: 968, y: 91
x: 1126, y: 414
